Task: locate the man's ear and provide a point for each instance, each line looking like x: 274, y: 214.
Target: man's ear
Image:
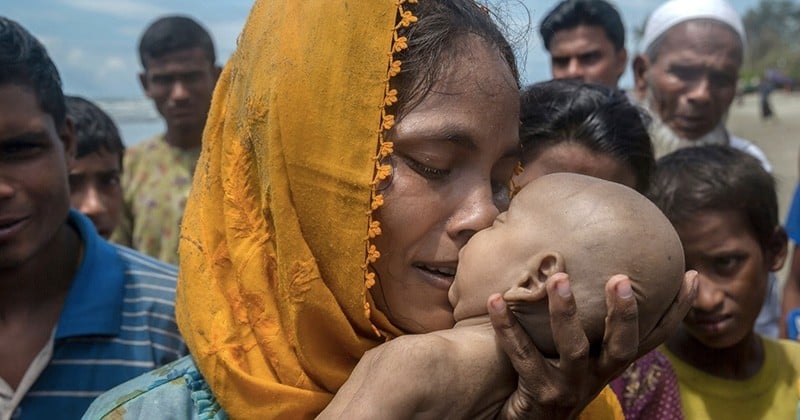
x: 641, y: 65
x: 622, y: 61
x: 217, y: 72
x: 144, y: 83
x: 777, y: 248
x: 69, y: 140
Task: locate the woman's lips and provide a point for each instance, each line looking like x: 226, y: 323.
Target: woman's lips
x: 439, y: 276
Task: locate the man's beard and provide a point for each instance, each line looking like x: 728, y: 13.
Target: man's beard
x: 666, y: 140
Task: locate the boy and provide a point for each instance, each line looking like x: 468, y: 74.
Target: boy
x: 583, y: 226
x: 180, y: 72
x: 723, y: 204
x: 78, y: 315
x: 94, y: 187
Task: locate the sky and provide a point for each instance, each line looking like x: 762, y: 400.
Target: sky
x: 93, y: 42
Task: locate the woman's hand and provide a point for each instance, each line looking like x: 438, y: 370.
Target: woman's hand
x: 562, y: 388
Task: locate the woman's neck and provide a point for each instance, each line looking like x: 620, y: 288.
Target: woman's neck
x: 738, y: 362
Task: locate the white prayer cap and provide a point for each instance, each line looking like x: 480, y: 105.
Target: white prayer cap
x: 674, y: 12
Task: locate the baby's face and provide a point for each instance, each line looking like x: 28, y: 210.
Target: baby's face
x: 495, y: 260
x: 585, y: 227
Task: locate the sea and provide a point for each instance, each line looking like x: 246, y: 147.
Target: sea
x: 136, y: 118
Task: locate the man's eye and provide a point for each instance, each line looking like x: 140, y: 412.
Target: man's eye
x: 110, y: 180
x: 590, y: 58
x: 560, y: 61
x: 75, y: 181
x: 19, y: 150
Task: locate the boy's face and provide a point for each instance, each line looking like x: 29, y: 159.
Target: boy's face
x: 34, y: 194
x: 733, y: 269
x: 95, y: 189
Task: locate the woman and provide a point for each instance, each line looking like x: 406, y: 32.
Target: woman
x: 593, y: 130
x: 350, y: 151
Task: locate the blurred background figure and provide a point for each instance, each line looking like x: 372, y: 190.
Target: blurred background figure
x: 586, y: 41
x: 180, y: 72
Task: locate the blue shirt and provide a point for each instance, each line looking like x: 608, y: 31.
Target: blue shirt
x: 793, y: 220
x: 117, y: 322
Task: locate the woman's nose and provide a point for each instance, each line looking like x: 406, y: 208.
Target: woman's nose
x: 477, y: 210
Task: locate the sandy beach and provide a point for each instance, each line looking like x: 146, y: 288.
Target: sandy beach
x: 778, y: 137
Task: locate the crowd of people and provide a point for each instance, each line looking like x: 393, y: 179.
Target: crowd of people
x: 372, y: 218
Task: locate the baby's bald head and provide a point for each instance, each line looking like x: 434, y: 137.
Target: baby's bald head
x: 586, y: 227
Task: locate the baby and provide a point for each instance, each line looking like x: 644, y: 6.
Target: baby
x: 583, y: 226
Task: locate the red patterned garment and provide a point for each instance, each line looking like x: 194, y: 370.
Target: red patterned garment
x: 648, y: 389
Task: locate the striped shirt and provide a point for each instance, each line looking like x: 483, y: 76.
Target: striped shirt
x: 117, y: 323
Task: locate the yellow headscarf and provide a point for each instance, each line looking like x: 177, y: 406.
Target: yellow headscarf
x: 273, y: 294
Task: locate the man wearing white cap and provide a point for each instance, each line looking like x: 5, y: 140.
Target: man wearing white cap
x: 687, y: 74
x: 686, y: 77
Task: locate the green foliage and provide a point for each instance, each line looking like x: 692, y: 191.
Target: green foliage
x: 773, y: 35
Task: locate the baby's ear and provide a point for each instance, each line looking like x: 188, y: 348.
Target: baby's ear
x: 546, y: 264
x: 539, y: 268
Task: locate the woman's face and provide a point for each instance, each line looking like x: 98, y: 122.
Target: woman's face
x: 453, y: 156
x: 575, y: 158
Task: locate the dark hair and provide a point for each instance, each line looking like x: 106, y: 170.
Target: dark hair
x: 572, y: 13
x: 597, y: 117
x: 94, y: 129
x: 716, y: 178
x: 174, y: 33
x: 24, y: 61
x: 435, y: 39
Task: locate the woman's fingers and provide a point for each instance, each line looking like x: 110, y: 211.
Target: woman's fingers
x: 568, y: 334
x: 528, y: 400
x: 516, y: 343
x: 621, y: 338
x: 675, y: 314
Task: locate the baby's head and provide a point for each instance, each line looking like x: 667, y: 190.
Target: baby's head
x: 584, y: 226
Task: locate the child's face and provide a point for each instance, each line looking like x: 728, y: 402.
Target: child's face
x: 95, y: 189
x: 733, y: 269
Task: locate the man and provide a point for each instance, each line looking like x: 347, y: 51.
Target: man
x: 78, y: 315
x: 94, y: 176
x: 586, y: 41
x: 686, y: 77
x: 179, y: 75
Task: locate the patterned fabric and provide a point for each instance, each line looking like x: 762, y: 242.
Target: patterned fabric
x: 117, y: 323
x: 182, y: 394
x: 771, y: 394
x: 648, y: 389
x: 156, y: 179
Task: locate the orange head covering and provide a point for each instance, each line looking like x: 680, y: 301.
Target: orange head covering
x: 272, y: 299
x: 273, y: 294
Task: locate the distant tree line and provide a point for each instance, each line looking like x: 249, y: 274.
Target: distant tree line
x: 773, y: 39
